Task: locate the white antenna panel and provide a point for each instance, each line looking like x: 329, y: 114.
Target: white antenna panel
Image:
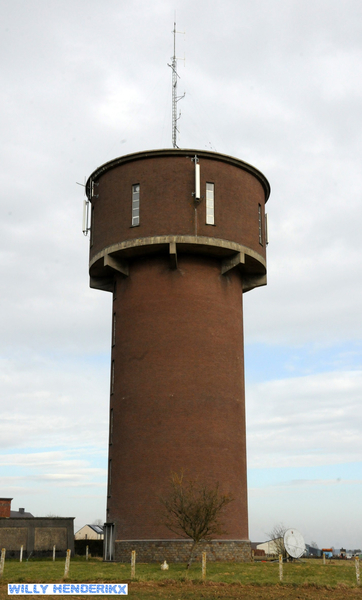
x: 85, y: 217
x: 197, y: 181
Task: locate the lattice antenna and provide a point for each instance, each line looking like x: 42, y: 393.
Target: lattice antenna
x: 175, y: 97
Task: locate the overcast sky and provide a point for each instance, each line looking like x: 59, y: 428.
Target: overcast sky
x: 276, y: 83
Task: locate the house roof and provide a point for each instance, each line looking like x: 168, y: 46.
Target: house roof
x: 96, y: 528
x: 20, y: 514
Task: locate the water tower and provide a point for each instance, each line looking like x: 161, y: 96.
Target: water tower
x: 177, y: 236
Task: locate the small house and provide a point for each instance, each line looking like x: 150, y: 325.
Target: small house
x: 90, y: 532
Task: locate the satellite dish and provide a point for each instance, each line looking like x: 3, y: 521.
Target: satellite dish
x: 294, y: 543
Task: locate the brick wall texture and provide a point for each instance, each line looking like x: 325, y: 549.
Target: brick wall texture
x: 166, y: 201
x: 177, y: 397
x: 5, y: 507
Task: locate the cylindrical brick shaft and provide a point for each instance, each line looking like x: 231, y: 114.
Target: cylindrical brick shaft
x: 177, y: 375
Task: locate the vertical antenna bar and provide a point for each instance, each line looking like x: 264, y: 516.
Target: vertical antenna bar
x: 174, y: 90
x: 175, y: 98
x: 266, y: 230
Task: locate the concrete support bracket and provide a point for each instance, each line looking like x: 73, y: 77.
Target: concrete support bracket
x: 173, y: 255
x: 102, y: 283
x: 249, y: 283
x: 232, y: 262
x: 117, y: 264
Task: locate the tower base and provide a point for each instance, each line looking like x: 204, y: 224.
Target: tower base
x: 178, y: 551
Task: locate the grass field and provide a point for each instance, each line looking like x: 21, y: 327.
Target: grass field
x: 307, y: 580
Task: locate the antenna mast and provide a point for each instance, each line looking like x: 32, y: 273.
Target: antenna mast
x: 175, y: 98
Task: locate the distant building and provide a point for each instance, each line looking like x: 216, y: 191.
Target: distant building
x: 270, y: 547
x: 37, y: 535
x: 255, y: 550
x: 90, y: 532
x: 311, y: 551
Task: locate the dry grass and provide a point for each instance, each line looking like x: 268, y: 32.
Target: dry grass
x: 306, y: 580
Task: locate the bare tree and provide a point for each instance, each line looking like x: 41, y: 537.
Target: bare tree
x: 277, y: 536
x: 193, y: 509
x: 98, y: 522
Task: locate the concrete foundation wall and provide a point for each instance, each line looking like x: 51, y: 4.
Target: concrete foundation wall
x: 178, y: 551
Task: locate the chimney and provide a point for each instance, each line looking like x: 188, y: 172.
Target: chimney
x: 21, y: 511
x: 5, y: 506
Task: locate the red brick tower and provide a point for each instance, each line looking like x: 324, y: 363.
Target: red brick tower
x: 177, y: 236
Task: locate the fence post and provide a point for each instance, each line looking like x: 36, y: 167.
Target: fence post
x: 86, y: 552
x: 21, y: 553
x: 356, y: 558
x: 133, y: 564
x: 203, y: 566
x: 324, y: 558
x: 54, y: 553
x: 280, y: 567
x: 252, y: 555
x: 67, y: 564
x: 2, y: 561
